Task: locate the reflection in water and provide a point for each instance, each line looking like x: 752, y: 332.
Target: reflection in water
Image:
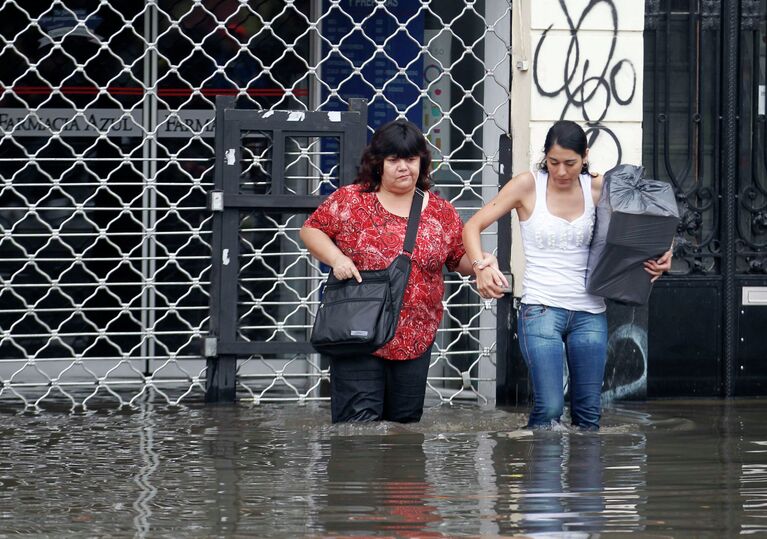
x: 562, y: 484
x: 567, y: 482
x: 143, y: 477
x: 753, y: 491
x: 486, y: 479
x: 669, y: 469
x: 378, y: 483
x: 222, y: 446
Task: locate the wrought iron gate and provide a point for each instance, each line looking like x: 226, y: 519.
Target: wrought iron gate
x: 704, y: 131
x: 274, y: 167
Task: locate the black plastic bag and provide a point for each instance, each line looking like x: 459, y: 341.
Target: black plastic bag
x: 636, y: 221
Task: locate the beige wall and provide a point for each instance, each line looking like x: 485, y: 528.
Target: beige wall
x: 554, y: 50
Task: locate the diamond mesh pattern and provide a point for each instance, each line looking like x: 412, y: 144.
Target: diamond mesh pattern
x: 106, y: 157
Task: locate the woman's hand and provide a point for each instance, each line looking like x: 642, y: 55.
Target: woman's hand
x: 344, y: 268
x: 491, y: 282
x: 656, y: 268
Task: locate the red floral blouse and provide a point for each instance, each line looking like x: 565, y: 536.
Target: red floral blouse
x: 372, y: 237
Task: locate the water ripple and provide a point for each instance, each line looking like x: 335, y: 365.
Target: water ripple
x: 658, y: 469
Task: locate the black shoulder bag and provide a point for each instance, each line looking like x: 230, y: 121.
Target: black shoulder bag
x: 359, y: 318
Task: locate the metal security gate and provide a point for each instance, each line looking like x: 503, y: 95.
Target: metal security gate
x: 107, y: 159
x: 276, y: 166
x: 704, y: 131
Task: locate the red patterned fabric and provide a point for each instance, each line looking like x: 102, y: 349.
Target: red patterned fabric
x: 372, y: 237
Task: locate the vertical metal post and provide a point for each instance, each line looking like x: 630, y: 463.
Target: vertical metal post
x: 504, y: 311
x: 730, y: 27
x: 495, y: 97
x: 351, y: 149
x: 315, y: 56
x: 315, y: 100
x: 149, y: 195
x: 220, y: 379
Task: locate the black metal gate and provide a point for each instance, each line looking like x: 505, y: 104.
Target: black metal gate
x: 704, y: 131
x: 271, y: 167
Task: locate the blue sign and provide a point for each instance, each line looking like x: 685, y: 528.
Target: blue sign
x: 368, y: 49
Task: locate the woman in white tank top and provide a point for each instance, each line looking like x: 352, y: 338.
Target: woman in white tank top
x: 558, y: 320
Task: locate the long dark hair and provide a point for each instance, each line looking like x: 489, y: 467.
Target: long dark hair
x: 570, y: 136
x: 400, y: 138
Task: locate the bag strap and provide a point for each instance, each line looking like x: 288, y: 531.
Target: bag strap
x: 413, y: 221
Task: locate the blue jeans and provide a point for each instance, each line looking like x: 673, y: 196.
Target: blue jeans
x: 548, y: 336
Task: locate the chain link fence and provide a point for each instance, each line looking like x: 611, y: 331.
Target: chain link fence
x: 107, y: 158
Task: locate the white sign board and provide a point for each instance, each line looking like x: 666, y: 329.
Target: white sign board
x: 20, y: 122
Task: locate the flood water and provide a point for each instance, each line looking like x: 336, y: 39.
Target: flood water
x: 663, y: 469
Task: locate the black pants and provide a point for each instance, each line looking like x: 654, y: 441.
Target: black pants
x: 368, y: 388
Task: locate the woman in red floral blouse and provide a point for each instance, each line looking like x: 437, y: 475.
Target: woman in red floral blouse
x: 362, y: 227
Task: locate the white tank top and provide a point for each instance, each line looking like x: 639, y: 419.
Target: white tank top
x: 557, y: 253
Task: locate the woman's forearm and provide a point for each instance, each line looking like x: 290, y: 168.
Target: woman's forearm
x: 320, y: 245
x: 464, y: 265
x: 472, y: 241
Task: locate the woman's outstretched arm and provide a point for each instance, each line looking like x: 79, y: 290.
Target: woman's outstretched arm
x: 490, y: 280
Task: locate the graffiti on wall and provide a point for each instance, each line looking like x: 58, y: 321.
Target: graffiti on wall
x: 592, y: 89
x: 587, y: 71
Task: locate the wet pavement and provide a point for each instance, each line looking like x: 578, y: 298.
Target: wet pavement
x: 662, y: 469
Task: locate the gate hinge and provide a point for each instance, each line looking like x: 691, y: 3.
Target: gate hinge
x: 210, y: 347
x: 216, y: 201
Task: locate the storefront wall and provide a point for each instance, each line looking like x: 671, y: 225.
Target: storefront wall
x: 107, y: 157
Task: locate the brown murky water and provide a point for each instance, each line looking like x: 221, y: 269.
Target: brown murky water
x: 663, y: 469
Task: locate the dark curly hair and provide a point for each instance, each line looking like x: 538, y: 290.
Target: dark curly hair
x: 570, y: 136
x: 402, y: 139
